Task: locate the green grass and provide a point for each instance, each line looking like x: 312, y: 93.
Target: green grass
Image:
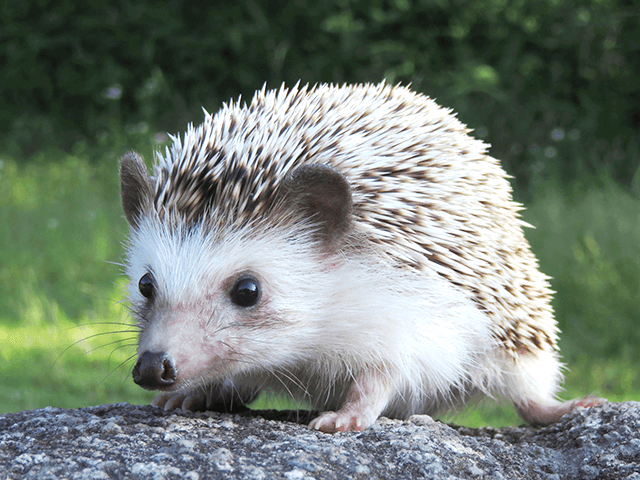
x: 588, y: 241
x: 64, y: 365
x: 60, y: 283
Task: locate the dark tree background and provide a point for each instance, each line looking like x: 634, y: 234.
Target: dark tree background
x: 553, y: 85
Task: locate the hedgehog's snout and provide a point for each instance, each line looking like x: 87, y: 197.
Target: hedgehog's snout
x: 154, y: 371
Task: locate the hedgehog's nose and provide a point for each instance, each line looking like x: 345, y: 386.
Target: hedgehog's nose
x: 154, y: 371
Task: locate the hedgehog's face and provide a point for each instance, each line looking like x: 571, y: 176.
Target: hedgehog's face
x: 214, y: 304
x: 208, y: 312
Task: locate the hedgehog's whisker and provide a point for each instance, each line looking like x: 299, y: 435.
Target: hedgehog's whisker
x: 84, y: 339
x: 119, y: 347
x: 124, y: 362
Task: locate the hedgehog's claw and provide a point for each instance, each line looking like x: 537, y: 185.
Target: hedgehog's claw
x: 331, y: 422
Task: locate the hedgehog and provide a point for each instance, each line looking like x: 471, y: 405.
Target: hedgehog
x: 351, y: 247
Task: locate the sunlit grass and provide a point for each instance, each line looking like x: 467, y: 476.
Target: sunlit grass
x: 67, y: 364
x: 587, y: 238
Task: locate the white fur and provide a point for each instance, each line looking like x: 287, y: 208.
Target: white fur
x: 532, y: 378
x: 333, y: 318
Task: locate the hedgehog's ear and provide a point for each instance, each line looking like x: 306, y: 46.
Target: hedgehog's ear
x: 323, y: 195
x: 136, y: 187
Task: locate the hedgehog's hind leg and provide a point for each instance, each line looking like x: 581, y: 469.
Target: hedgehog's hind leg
x: 545, y: 414
x: 532, y: 382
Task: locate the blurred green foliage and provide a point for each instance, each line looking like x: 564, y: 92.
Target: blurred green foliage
x: 536, y: 79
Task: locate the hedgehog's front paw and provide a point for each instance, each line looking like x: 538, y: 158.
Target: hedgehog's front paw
x: 370, y: 393
x: 190, y: 400
x: 341, y: 421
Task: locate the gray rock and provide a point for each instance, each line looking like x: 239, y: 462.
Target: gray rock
x: 128, y: 441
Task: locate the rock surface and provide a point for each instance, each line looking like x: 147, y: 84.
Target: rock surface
x: 143, y: 442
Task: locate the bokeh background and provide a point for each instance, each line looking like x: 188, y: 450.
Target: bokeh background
x: 552, y: 85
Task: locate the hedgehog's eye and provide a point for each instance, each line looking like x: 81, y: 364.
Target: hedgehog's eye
x: 147, y: 286
x: 245, y: 292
